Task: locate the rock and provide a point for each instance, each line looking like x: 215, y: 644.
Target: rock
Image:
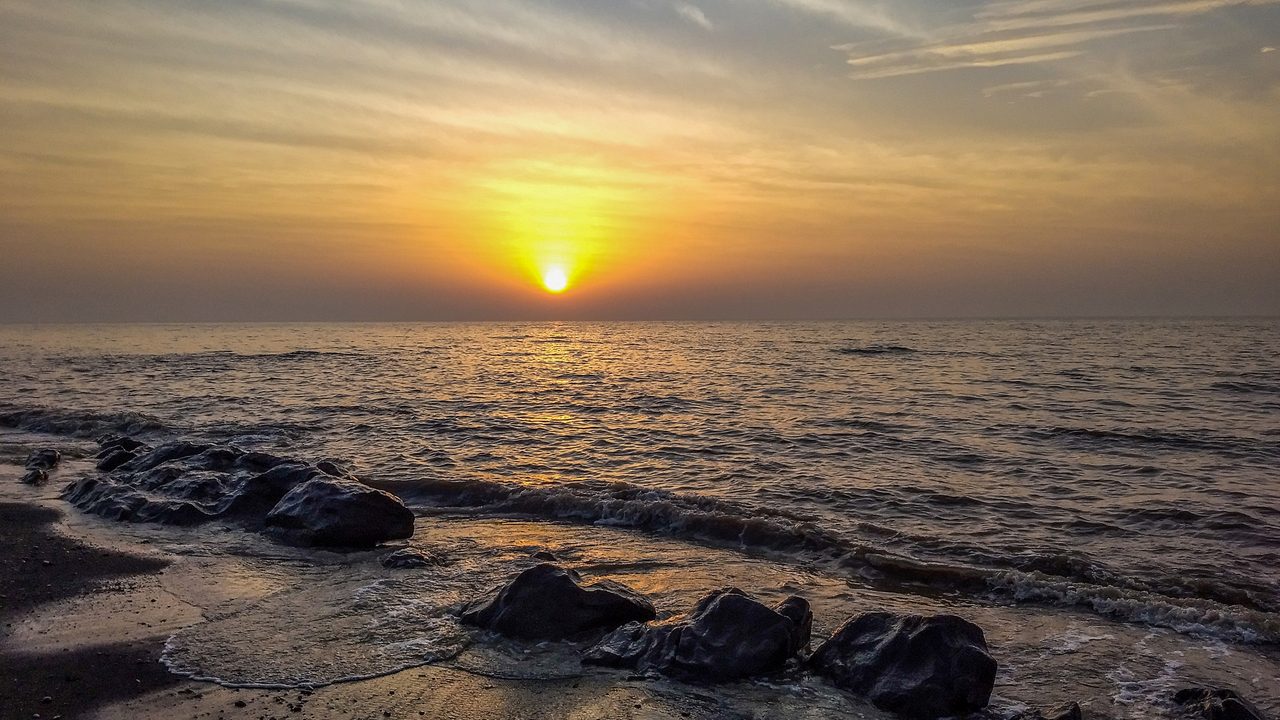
x: 167, y: 452
x: 332, y: 469
x: 36, y: 476
x: 44, y: 459
x: 1069, y: 711
x: 408, y: 559
x: 115, y: 459
x: 112, y: 443
x: 919, y: 667
x: 728, y: 635
x: 548, y: 602
x: 344, y: 513
x: 1216, y: 704
x: 544, y: 556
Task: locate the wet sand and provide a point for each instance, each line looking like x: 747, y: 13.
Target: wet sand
x: 79, y: 676
x: 40, y: 566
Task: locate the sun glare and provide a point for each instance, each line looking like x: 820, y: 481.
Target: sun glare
x: 554, y: 279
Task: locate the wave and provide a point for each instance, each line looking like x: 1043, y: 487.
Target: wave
x: 1196, y: 442
x: 877, y: 349
x: 1242, y: 614
x: 79, y: 423
x: 1247, y: 388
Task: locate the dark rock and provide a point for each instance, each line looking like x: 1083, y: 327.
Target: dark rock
x: 165, y: 453
x: 112, y: 443
x: 219, y: 457
x: 44, y: 459
x: 919, y: 667
x: 344, y: 513
x: 36, y: 476
x: 1216, y: 704
x: 116, y: 501
x: 114, y: 459
x: 796, y: 609
x: 547, y: 602
x: 408, y: 559
x: 544, y: 556
x: 727, y: 636
x: 332, y: 469
x: 257, y: 494
x: 1069, y: 711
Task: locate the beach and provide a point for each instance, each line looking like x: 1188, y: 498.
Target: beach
x: 1051, y: 501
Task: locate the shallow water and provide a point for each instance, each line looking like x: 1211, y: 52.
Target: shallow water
x: 1101, y: 496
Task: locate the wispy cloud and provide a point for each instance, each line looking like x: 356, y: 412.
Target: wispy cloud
x: 694, y: 14
x: 1022, y: 32
x: 854, y: 13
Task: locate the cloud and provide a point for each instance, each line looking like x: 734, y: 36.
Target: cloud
x: 1023, y: 32
x: 694, y: 15
x: 1268, y: 49
x: 853, y: 13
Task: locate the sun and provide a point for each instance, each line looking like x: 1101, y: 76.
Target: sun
x: 554, y: 279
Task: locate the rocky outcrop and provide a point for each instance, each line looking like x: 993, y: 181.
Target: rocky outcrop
x: 915, y: 666
x: 548, y: 602
x: 344, y: 513
x: 1216, y: 704
x: 727, y: 636
x: 186, y: 483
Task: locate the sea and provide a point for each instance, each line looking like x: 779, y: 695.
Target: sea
x: 1101, y: 496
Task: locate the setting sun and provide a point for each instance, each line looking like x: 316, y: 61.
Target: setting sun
x: 554, y: 279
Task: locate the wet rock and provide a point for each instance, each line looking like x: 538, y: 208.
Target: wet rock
x: 1216, y: 704
x: 116, y: 501
x: 44, y: 459
x: 728, y: 636
x: 544, y: 556
x: 916, y: 666
x: 36, y: 476
x: 333, y: 469
x: 113, y: 443
x: 409, y: 559
x: 548, y: 602
x: 1069, y: 711
x: 114, y: 459
x: 167, y: 452
x: 333, y: 512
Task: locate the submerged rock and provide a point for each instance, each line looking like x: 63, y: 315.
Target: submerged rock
x: 728, y: 635
x: 1216, y: 704
x: 409, y: 559
x: 43, y: 459
x: 920, y: 667
x: 548, y: 602
x: 345, y: 513
x: 38, y: 465
x: 1069, y: 711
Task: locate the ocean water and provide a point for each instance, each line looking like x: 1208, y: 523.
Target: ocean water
x: 1097, y: 491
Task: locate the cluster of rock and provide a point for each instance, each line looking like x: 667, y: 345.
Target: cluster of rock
x: 187, y: 483
x: 919, y: 667
x: 39, y: 464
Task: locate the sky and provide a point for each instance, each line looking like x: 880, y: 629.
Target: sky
x: 351, y: 160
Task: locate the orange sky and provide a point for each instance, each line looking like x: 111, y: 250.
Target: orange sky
x: 399, y: 160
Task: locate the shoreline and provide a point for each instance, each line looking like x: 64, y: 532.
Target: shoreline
x: 42, y: 566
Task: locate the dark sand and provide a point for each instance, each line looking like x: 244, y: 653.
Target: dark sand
x: 39, y: 566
